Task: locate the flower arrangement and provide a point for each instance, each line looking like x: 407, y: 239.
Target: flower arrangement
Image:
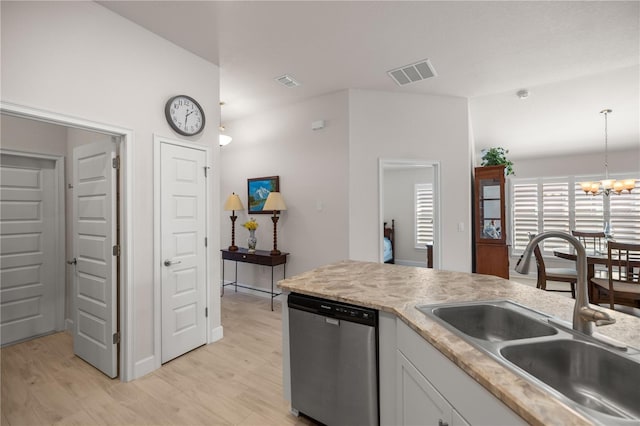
x: 251, y: 225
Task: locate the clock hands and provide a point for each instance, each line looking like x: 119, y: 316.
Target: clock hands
x: 187, y: 116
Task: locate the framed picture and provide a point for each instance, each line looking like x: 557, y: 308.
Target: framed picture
x: 258, y: 191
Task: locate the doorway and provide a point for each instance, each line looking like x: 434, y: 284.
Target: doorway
x: 124, y: 136
x: 409, y: 192
x: 31, y: 245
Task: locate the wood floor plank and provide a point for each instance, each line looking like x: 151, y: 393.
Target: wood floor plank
x: 236, y: 381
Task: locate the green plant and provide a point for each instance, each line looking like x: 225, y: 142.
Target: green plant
x: 497, y: 157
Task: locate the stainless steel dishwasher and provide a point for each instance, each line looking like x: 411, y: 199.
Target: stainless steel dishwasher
x: 334, y: 361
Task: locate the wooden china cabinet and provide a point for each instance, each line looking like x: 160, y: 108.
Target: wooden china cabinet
x: 492, y: 252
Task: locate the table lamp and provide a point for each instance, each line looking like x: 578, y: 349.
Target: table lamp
x: 276, y: 203
x: 233, y: 203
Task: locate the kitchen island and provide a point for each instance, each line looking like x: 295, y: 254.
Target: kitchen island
x: 395, y: 291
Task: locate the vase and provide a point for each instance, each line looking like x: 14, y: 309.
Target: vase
x: 251, y: 242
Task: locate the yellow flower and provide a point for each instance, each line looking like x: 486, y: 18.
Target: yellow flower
x: 251, y: 225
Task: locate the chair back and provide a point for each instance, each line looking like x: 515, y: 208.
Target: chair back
x: 593, y: 242
x: 624, y: 262
x: 542, y: 272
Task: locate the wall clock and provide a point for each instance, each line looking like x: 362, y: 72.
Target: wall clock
x: 184, y: 115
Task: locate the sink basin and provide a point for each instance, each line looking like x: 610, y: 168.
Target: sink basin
x: 493, y: 322
x: 591, y: 376
x: 583, y: 372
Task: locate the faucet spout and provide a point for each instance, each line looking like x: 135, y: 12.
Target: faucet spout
x: 584, y: 317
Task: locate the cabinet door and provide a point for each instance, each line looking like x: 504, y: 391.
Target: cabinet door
x: 418, y: 402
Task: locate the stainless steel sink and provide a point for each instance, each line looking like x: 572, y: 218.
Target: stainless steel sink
x: 586, y: 374
x: 591, y: 376
x: 494, y: 322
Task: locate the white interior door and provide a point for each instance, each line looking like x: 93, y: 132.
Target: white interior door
x: 94, y: 236
x: 28, y: 248
x: 183, y: 228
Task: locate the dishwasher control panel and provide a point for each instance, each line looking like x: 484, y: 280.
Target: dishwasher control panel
x: 333, y: 309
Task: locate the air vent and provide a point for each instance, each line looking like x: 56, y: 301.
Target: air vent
x: 287, y: 80
x: 412, y: 73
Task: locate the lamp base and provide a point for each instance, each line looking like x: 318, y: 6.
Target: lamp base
x: 233, y: 248
x: 276, y: 252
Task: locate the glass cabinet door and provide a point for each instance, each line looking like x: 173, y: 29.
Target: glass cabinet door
x: 490, y: 204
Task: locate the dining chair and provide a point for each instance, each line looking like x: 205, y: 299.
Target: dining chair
x: 565, y: 275
x: 593, y: 242
x: 622, y: 286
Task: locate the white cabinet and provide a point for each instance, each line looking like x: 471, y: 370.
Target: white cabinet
x: 430, y: 388
x: 418, y: 402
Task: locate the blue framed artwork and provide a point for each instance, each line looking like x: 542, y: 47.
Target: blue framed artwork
x: 258, y: 191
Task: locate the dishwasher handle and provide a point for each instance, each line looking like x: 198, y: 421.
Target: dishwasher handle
x: 332, y: 321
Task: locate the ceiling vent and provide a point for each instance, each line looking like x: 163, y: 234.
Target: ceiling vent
x: 287, y: 80
x: 412, y: 73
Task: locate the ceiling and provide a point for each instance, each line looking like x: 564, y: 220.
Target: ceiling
x: 574, y: 57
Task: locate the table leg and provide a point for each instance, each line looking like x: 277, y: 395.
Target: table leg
x: 236, y: 280
x: 222, y: 284
x: 272, y: 288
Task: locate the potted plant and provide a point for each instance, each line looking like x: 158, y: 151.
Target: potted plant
x: 497, y: 157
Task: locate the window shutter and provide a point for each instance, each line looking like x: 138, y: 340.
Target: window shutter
x: 555, y: 212
x: 424, y: 214
x: 625, y: 216
x: 525, y: 213
x: 589, y: 211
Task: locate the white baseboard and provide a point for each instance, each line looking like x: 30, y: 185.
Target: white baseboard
x: 411, y: 263
x: 68, y: 325
x: 216, y: 334
x: 144, y: 367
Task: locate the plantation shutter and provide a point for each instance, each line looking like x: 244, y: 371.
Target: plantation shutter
x: 424, y: 214
x: 589, y: 211
x: 555, y: 213
x: 525, y: 213
x: 625, y: 216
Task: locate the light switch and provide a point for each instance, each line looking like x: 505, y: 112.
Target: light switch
x: 460, y: 226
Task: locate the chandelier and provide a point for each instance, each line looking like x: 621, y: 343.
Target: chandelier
x: 608, y: 185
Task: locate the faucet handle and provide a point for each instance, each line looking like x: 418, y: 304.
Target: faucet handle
x: 598, y: 317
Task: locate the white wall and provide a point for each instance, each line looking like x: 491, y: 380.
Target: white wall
x: 81, y: 60
x: 409, y: 126
x: 312, y: 166
x: 26, y: 135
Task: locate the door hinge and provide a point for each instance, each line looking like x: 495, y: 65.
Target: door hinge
x: 205, y: 241
x: 115, y: 163
x: 206, y: 312
x: 116, y: 338
x: 206, y: 170
x: 116, y: 250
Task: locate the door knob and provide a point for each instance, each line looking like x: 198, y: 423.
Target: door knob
x: 171, y: 262
x: 72, y: 262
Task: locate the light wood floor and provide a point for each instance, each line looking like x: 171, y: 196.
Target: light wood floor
x: 237, y: 380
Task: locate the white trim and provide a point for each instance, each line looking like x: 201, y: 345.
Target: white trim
x: 145, y: 366
x: 157, y: 260
x: 437, y: 243
x: 127, y: 303
x: 217, y: 333
x: 59, y: 229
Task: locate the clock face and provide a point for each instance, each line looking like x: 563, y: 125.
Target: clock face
x: 184, y: 115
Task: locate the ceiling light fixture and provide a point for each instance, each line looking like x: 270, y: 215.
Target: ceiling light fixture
x: 608, y: 185
x: 223, y: 140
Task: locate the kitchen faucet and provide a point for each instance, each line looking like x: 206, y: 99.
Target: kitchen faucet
x: 583, y: 316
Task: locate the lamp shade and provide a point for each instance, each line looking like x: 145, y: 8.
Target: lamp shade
x: 274, y: 202
x: 233, y: 203
x: 224, y: 140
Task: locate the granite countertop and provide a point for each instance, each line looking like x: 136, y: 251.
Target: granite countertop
x: 398, y: 289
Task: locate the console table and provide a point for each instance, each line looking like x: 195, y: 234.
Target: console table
x: 260, y: 257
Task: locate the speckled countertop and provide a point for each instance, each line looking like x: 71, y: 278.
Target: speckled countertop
x: 398, y: 289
